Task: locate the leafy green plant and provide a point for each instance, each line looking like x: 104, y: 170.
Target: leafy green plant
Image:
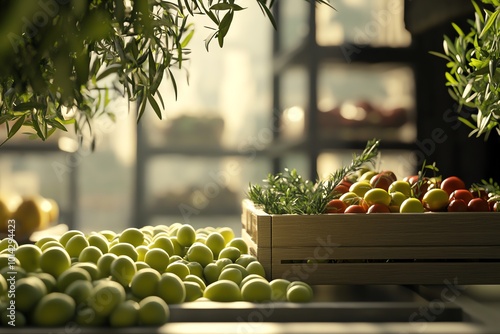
x: 61, y: 59
x: 474, y: 68
x: 490, y: 186
x: 290, y: 193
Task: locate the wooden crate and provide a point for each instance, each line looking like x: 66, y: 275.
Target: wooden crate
x: 430, y: 248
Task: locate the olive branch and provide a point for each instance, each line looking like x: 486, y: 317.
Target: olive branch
x: 61, y: 71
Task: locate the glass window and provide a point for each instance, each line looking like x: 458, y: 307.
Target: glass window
x: 363, y: 22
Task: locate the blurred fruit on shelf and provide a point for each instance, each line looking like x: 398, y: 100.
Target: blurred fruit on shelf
x: 27, y: 214
x: 363, y: 114
x: 8, y: 205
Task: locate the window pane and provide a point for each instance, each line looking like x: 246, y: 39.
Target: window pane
x: 364, y: 22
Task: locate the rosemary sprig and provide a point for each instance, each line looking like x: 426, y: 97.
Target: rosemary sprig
x: 289, y: 193
x: 366, y: 157
x: 419, y: 187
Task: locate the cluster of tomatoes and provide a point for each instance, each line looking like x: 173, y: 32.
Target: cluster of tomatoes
x: 382, y: 192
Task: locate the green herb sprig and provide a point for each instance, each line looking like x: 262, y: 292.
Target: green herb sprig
x: 473, y: 62
x: 418, y: 187
x: 491, y: 187
x: 289, y: 193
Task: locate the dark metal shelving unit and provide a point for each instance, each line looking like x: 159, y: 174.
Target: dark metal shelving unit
x: 309, y: 55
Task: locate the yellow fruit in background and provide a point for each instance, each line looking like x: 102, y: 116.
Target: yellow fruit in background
x: 8, y: 204
x: 5, y: 215
x: 31, y: 215
x: 53, y: 210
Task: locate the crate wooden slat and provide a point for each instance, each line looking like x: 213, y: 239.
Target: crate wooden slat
x: 429, y: 229
x: 384, y: 253
x: 376, y: 249
x: 391, y: 273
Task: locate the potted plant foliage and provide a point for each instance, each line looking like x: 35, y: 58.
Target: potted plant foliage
x: 473, y: 62
x: 61, y: 58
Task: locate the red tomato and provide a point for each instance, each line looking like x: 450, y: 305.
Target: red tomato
x: 478, y: 205
x: 496, y: 207
x: 452, y: 183
x: 462, y: 194
x: 479, y: 193
x: 355, y: 209
x: 390, y: 174
x: 335, y: 206
x: 346, y: 183
x: 381, y: 180
x: 378, y: 208
x: 457, y: 205
x: 340, y: 189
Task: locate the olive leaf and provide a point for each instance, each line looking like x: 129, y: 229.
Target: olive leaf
x: 86, y: 49
x: 474, y: 75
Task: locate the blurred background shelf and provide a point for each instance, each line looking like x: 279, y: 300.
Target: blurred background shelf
x: 360, y: 53
x: 336, y: 88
